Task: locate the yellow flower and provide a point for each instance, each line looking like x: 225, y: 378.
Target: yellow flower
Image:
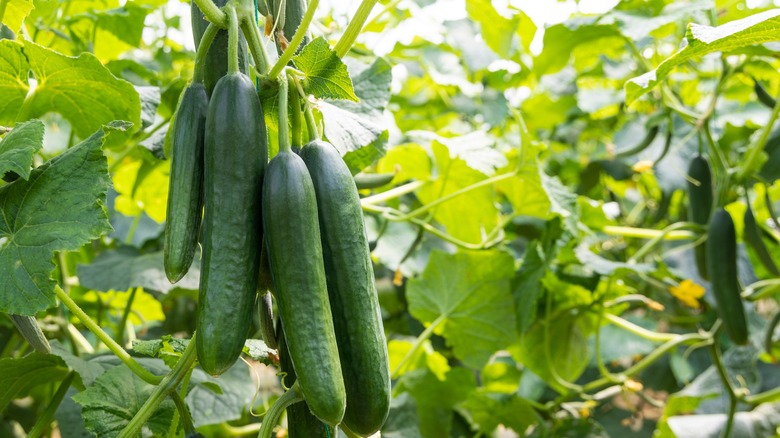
x: 643, y: 166
x: 688, y: 292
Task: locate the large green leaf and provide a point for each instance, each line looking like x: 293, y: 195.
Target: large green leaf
x: 59, y: 208
x: 13, y: 80
x: 757, y: 29
x: 468, y: 293
x: 19, y: 146
x: 326, y: 75
x: 15, y: 13
x: 19, y: 375
x: 497, y: 30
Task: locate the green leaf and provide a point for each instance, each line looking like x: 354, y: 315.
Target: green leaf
x: 357, y: 129
x: 210, y: 407
x: 59, y: 208
x: 402, y: 421
x: 326, y: 75
x: 259, y: 351
x: 17, y: 376
x: 497, y: 30
x: 15, y: 13
x: 19, y: 146
x: 81, y: 89
x: 562, y: 201
x: 114, y: 398
x: 88, y: 370
x: 13, y: 80
x: 560, y: 40
x: 126, y: 22
x: 468, y: 293
x: 125, y: 267
x: 756, y: 29
x: 488, y: 410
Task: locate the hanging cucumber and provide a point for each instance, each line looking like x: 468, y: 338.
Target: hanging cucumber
x: 722, y: 266
x: 300, y: 422
x: 266, y: 317
x: 31, y: 332
x: 763, y: 96
x: 353, y: 299
x: 753, y: 238
x: 700, y: 200
x: 216, y: 61
x: 235, y: 156
x: 295, y: 253
x: 185, y: 190
x: 373, y: 180
x: 287, y: 20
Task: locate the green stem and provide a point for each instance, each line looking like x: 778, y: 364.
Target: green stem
x: 183, y: 411
x: 761, y: 289
x: 133, y: 227
x: 233, y: 67
x: 271, y: 419
x: 645, y: 233
x: 295, y: 118
x: 424, y: 336
x: 292, y: 47
x: 650, y: 245
x: 391, y: 194
x: 164, y: 389
x: 120, y: 336
x: 203, y: 50
x: 724, y: 377
x: 44, y: 421
x: 639, y: 331
x: 212, y: 13
x: 753, y: 154
x: 772, y: 395
x: 311, y: 124
x: 256, y: 46
x: 284, y: 133
x: 353, y: 29
x: 115, y: 348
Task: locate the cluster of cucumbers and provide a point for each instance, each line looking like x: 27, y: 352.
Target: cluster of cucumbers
x: 301, y: 214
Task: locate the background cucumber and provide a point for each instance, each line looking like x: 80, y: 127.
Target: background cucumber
x: 700, y: 200
x: 236, y: 151
x: 753, y: 238
x: 722, y: 266
x: 185, y: 190
x: 353, y: 300
x: 291, y: 18
x: 295, y: 253
x: 217, y: 56
x: 31, y: 332
x: 266, y: 319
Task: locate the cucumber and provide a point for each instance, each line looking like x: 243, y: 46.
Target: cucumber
x: 185, y: 190
x: 236, y: 152
x: 295, y: 253
x: 289, y: 20
x: 722, y: 266
x: 700, y: 197
x: 753, y: 238
x: 300, y: 422
x: 217, y: 56
x: 763, y: 96
x: 373, y: 180
x: 31, y: 332
x: 266, y: 314
x: 353, y: 299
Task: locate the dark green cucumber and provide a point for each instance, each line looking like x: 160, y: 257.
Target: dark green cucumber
x: 700, y: 201
x: 300, y: 422
x: 642, y: 145
x: 722, y: 266
x: 185, y: 190
x: 763, y: 96
x: 373, y: 180
x: 31, y: 332
x: 290, y: 19
x: 217, y: 56
x: 353, y: 299
x: 295, y: 253
x: 753, y: 238
x: 236, y: 152
x: 266, y: 317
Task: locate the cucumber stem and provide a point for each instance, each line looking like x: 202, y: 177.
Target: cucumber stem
x: 290, y: 397
x: 165, y: 388
x: 120, y: 331
x: 115, y: 348
x: 303, y: 28
x: 212, y: 12
x: 354, y: 27
x: 233, y: 67
x: 256, y: 46
x: 295, y: 118
x: 284, y: 135
x: 424, y: 336
x: 311, y: 124
x: 44, y: 421
x: 203, y: 49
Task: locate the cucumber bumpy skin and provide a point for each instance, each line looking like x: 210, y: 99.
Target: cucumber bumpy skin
x: 295, y: 254
x: 185, y: 190
x: 722, y: 266
x: 353, y: 299
x: 236, y: 152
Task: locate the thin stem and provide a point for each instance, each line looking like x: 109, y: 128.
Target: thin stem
x: 639, y: 331
x: 256, y: 46
x: 203, y: 50
x: 44, y: 421
x: 125, y: 314
x: 233, y: 66
x: 761, y: 289
x: 284, y: 133
x: 424, y: 336
x: 183, y: 411
x: 724, y: 377
x: 649, y: 246
x: 754, y: 153
x: 295, y: 118
x: 212, y: 12
x: 645, y: 233
x: 115, y: 348
x: 133, y: 227
x: 163, y: 390
x: 354, y: 27
x: 311, y: 124
x: 392, y: 193
x: 289, y: 52
x: 772, y: 395
x: 271, y: 419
